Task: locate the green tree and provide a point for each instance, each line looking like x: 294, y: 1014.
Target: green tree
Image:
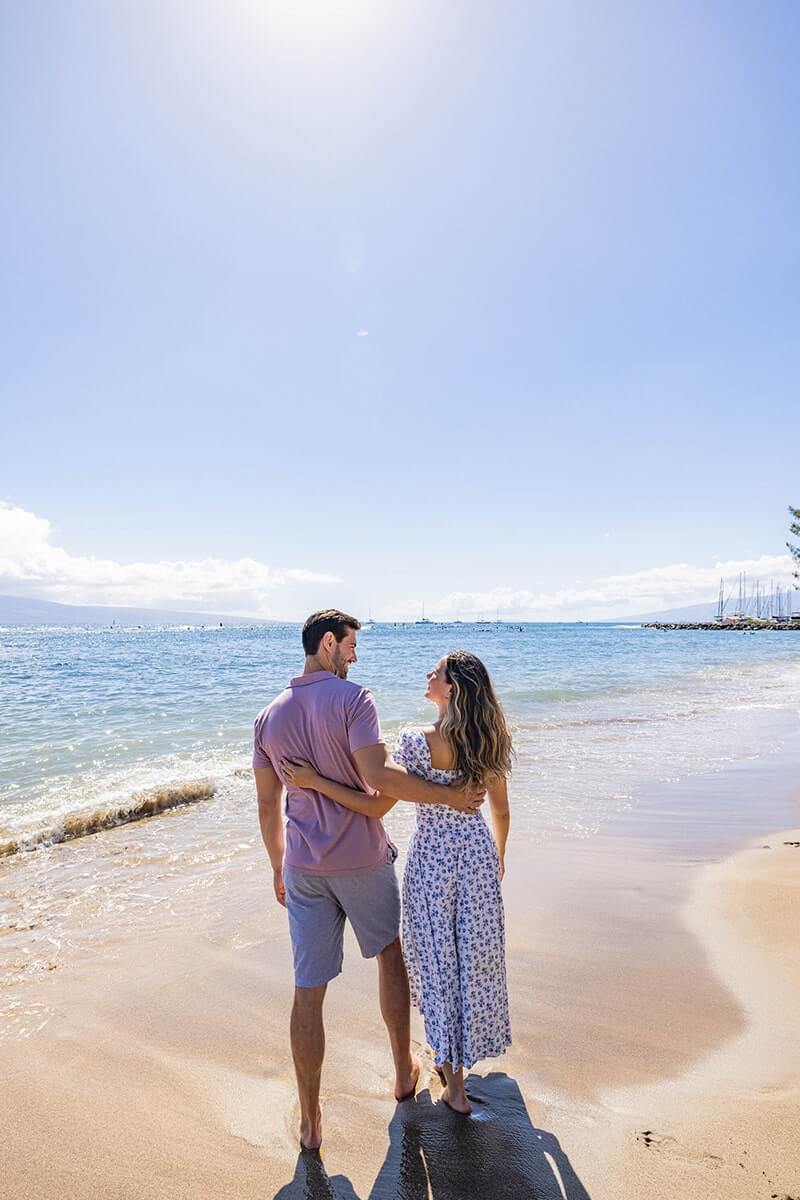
x: 794, y: 528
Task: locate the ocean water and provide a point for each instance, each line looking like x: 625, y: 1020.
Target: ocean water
x: 100, y: 726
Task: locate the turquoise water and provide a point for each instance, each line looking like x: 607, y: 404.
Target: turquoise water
x: 100, y: 725
x: 93, y: 719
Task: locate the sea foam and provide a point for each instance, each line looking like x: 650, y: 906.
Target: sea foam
x: 134, y: 808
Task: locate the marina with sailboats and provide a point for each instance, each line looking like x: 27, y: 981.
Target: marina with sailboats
x: 746, y: 606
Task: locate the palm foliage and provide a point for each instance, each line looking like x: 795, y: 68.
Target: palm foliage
x: 794, y: 528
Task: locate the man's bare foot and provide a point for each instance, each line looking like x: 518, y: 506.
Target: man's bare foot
x: 311, y: 1132
x: 406, y: 1085
x: 458, y: 1102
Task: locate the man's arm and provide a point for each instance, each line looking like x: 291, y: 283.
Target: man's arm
x: 390, y: 779
x: 269, y: 790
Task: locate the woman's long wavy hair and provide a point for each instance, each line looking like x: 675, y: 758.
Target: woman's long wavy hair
x: 473, y: 722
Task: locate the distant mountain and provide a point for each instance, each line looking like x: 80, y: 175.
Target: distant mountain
x: 694, y: 612
x: 21, y: 610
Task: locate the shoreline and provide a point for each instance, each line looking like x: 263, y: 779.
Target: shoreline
x: 619, y: 1005
x: 751, y: 625
x: 727, y: 1127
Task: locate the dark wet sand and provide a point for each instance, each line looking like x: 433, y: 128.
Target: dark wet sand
x: 648, y: 1060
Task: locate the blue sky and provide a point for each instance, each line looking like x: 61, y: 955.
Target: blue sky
x: 567, y: 234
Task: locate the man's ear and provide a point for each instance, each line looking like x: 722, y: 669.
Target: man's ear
x: 328, y: 642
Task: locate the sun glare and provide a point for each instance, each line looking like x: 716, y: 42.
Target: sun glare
x: 307, y: 26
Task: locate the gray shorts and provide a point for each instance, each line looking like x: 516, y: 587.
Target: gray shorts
x: 318, y: 906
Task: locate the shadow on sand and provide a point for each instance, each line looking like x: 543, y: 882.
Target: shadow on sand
x: 435, y: 1154
x: 312, y: 1182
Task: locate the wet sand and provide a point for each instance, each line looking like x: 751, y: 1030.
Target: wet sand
x: 654, y: 977
x: 729, y: 1126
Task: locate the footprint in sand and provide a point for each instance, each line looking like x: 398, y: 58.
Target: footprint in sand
x: 248, y: 1105
x: 657, y: 1140
x: 669, y: 1145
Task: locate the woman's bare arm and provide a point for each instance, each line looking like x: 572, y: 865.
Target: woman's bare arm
x: 302, y: 774
x: 391, y: 782
x: 497, y: 789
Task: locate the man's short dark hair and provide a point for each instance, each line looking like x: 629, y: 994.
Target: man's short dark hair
x: 328, y: 620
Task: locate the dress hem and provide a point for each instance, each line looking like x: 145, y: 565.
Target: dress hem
x: 467, y: 1066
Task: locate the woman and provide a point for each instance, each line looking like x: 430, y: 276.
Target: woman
x: 453, y: 923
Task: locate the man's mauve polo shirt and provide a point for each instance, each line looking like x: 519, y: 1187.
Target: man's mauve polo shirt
x: 323, y: 719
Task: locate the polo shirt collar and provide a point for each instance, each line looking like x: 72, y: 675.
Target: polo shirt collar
x: 312, y: 677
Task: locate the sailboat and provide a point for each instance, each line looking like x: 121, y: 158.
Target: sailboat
x: 369, y: 624
x: 424, y: 620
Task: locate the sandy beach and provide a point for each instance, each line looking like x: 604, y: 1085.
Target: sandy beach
x: 728, y: 1126
x: 654, y: 977
x: 400, y: 387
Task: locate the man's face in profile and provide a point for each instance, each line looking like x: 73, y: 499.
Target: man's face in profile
x: 343, y: 654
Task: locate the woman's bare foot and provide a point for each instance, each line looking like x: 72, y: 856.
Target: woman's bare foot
x: 406, y: 1085
x: 311, y: 1132
x: 457, y: 1100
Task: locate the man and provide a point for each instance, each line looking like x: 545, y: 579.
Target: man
x: 331, y: 864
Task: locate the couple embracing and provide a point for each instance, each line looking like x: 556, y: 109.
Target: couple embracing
x: 332, y: 860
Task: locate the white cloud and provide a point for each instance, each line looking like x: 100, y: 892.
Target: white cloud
x: 32, y: 565
x: 642, y: 591
x: 363, y: 333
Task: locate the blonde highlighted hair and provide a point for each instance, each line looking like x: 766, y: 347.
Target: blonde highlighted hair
x: 474, y: 723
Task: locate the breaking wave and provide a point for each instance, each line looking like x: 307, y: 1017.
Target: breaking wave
x: 134, y: 808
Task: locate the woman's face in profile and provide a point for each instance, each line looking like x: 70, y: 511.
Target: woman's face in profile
x: 438, y: 687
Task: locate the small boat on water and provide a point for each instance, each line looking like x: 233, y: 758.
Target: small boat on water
x: 369, y: 624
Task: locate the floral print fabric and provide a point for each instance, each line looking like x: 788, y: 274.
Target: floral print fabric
x: 453, y: 923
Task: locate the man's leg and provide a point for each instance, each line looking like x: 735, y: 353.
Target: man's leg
x: 396, y: 1013
x: 308, y: 1051
x: 316, y: 925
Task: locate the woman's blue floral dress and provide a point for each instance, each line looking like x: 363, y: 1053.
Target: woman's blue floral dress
x: 453, y: 923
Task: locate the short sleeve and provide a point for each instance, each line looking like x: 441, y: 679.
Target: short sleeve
x: 401, y: 753
x: 260, y: 756
x: 363, y: 726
